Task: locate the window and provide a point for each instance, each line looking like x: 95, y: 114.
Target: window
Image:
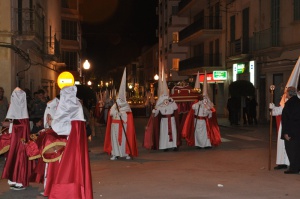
x: 70, y: 59
x: 296, y: 9
x: 175, y: 37
x: 175, y: 64
x: 69, y: 30
x: 174, y: 10
x: 70, y: 4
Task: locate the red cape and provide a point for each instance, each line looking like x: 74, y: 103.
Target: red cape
x: 152, y: 132
x: 73, y: 177
x: 130, y: 132
x: 17, y: 167
x: 188, y: 130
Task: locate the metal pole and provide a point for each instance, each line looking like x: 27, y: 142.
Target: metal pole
x: 272, y: 87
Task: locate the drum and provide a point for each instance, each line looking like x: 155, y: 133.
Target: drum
x: 4, y: 140
x: 52, y: 146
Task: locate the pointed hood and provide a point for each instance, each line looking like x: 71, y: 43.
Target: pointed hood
x: 163, y: 90
x: 121, y: 99
x: 122, y: 89
x: 205, y: 92
x: 197, y: 83
x: 293, y: 81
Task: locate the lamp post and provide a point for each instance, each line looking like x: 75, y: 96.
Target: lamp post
x: 86, y: 66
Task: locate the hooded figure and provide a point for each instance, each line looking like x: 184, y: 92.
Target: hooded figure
x: 99, y: 109
x: 107, y: 104
x: 73, y: 176
x: 201, y: 128
x: 282, y: 159
x: 162, y: 128
x: 18, y: 168
x: 120, y: 137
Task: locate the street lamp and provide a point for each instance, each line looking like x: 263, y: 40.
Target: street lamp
x: 86, y: 66
x: 89, y: 83
x: 156, y: 77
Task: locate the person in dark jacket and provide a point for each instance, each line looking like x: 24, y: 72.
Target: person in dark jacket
x: 290, y: 130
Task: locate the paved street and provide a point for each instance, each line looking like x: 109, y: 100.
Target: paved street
x: 238, y: 168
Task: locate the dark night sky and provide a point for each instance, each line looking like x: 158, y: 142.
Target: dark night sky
x: 116, y: 30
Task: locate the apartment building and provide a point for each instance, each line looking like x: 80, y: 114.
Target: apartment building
x: 34, y: 39
x: 251, y: 40
x: 170, y: 53
x: 204, y: 36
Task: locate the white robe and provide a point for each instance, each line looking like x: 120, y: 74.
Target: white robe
x: 281, y: 156
x: 117, y: 149
x: 201, y: 137
x: 164, y: 139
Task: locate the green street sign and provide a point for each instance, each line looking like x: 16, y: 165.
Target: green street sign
x: 220, y: 75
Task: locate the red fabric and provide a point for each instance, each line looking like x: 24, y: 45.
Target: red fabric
x: 213, y: 131
x: 148, y: 136
x: 151, y: 137
x: 51, y: 173
x: 17, y: 167
x: 32, y: 149
x: 188, y: 130
x: 73, y: 178
x: 278, y: 122
x: 39, y: 172
x: 48, y: 141
x: 4, y: 142
x: 130, y: 132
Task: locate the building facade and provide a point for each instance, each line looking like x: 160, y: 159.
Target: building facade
x: 250, y: 40
x: 32, y: 44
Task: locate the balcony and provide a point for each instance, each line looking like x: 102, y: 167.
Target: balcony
x: 266, y: 41
x: 29, y: 25
x: 207, y: 60
x: 185, y: 6
x: 201, y: 30
x: 240, y: 48
x: 52, y: 48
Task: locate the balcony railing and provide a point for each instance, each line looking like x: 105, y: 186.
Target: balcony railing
x: 29, y: 23
x: 183, y: 3
x: 265, y: 39
x: 208, y: 23
x: 52, y: 46
x: 240, y: 46
x: 207, y: 60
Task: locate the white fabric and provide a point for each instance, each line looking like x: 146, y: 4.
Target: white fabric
x: 122, y: 89
x: 293, y: 81
x: 68, y: 109
x: 164, y: 142
x: 201, y: 137
x: 117, y: 149
x: 50, y: 109
x: 281, y: 156
x: 197, y: 83
x: 161, y: 100
x: 18, y: 105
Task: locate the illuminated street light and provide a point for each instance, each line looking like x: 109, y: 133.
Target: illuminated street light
x: 156, y: 77
x: 89, y: 83
x: 86, y: 65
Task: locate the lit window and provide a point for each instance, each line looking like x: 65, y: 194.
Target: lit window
x: 175, y: 37
x: 175, y: 64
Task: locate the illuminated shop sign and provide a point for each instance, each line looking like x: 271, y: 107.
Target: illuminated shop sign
x: 219, y: 75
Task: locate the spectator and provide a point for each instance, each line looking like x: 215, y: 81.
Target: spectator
x: 39, y: 105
